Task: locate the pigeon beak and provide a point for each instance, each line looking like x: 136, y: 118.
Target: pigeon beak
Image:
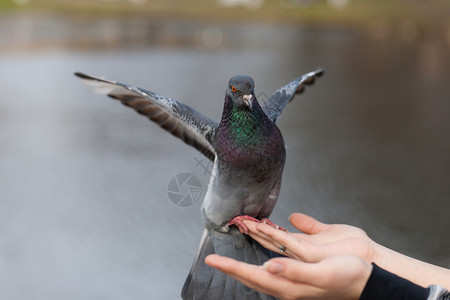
x: 248, y: 100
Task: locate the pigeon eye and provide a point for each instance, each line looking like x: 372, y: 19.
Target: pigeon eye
x: 233, y: 89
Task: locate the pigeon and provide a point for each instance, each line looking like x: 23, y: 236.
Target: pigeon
x: 248, y: 154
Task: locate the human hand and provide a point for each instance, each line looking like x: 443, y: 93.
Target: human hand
x: 317, y: 240
x: 339, y: 277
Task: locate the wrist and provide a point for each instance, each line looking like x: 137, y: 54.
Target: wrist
x: 361, y: 283
x: 386, y: 285
x: 419, y: 272
x: 380, y: 255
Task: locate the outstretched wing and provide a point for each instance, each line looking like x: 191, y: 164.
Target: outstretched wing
x: 182, y: 121
x: 273, y: 107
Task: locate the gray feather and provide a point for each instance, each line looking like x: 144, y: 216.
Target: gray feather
x: 273, y: 107
x: 182, y: 121
x: 205, y: 282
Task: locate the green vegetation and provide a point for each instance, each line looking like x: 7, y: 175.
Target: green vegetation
x: 356, y: 12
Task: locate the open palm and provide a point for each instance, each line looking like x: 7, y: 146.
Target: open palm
x: 317, y: 240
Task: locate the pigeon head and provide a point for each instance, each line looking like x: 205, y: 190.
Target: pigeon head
x: 241, y: 91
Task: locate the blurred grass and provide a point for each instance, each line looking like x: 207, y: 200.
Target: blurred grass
x: 425, y: 14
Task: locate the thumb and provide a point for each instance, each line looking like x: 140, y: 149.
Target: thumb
x: 293, y: 270
x: 307, y: 224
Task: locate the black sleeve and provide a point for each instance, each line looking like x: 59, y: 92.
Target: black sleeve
x: 385, y: 285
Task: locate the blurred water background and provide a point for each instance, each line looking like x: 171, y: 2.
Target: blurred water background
x: 84, y: 206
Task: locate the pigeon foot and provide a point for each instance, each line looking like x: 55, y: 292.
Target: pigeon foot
x: 270, y: 223
x: 238, y: 221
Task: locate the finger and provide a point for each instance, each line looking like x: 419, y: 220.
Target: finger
x: 230, y: 265
x: 234, y: 268
x: 260, y: 237
x: 265, y: 240
x: 251, y: 225
x: 298, y: 248
x: 306, y: 223
x: 251, y: 275
x: 257, y: 278
x: 273, y: 245
x: 281, y: 237
x: 306, y: 273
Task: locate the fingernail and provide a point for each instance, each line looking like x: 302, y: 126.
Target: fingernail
x: 272, y: 267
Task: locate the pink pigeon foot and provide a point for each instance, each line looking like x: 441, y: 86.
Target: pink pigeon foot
x: 268, y: 222
x: 238, y: 222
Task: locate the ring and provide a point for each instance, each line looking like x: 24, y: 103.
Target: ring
x: 282, y: 248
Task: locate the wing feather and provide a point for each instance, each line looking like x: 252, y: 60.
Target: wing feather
x: 179, y: 119
x: 273, y: 107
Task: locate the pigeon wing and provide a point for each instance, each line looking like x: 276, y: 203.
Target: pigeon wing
x: 273, y: 107
x: 182, y: 121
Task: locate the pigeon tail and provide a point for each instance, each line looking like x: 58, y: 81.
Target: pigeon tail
x: 205, y: 282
